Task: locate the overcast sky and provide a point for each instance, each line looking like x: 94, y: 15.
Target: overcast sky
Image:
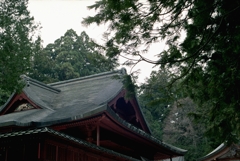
x: 57, y: 16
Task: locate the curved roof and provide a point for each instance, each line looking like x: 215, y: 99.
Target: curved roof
x: 72, y: 100
x: 223, y: 152
x: 176, y: 150
x: 67, y: 100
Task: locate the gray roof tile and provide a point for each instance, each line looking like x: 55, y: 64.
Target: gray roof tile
x: 66, y: 100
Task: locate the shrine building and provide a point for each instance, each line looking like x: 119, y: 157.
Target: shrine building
x: 82, y: 119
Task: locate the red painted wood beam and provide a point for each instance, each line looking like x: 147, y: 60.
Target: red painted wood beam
x: 98, y: 135
x: 39, y: 150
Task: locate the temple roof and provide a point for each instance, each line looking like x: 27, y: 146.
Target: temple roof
x: 66, y: 100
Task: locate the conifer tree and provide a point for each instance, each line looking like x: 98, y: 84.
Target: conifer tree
x: 206, y: 60
x: 17, y: 34
x: 70, y: 56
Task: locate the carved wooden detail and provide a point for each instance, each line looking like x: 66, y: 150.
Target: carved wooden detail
x: 23, y: 107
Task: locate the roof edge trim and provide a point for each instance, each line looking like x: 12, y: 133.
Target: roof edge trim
x: 121, y: 71
x: 7, y: 102
x: 144, y: 134
x: 15, y: 123
x: 29, y: 81
x: 212, y: 153
x: 98, y: 110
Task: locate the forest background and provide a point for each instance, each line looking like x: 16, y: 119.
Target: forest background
x: 190, y: 101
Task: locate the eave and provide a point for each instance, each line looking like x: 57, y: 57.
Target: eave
x: 223, y: 152
x: 110, y: 121
x: 56, y: 134
x: 141, y: 136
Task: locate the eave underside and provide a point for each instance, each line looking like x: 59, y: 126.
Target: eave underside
x: 43, y: 136
x: 104, y: 131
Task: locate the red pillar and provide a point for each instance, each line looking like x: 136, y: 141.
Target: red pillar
x: 98, y: 135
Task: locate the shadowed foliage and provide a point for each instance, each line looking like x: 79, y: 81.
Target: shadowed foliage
x: 206, y: 59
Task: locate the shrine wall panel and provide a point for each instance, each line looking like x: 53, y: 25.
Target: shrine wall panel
x: 55, y: 151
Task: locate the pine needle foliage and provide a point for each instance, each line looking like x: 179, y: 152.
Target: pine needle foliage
x: 206, y: 59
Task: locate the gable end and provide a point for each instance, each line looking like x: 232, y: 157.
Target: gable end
x: 129, y: 110
x: 19, y: 102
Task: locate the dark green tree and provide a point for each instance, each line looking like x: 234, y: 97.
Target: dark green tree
x: 70, y: 56
x: 180, y: 130
x: 17, y: 33
x: 206, y: 59
x: 156, y: 98
x: 167, y: 111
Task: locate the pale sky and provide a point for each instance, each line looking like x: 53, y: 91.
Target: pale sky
x: 57, y: 16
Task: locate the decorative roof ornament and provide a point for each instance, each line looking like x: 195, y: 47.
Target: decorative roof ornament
x: 123, y: 71
x: 23, y: 107
x: 25, y: 79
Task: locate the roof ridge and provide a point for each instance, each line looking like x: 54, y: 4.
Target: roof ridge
x: 29, y: 81
x: 121, y: 71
